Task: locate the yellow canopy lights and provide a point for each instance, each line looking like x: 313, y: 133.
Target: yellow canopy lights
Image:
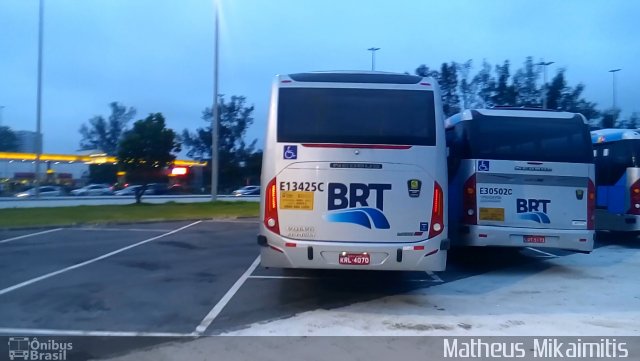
x: 88, y: 159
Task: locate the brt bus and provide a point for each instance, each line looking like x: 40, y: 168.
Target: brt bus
x: 521, y: 178
x: 354, y: 170
x: 617, y: 159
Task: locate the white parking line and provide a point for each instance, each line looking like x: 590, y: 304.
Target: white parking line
x: 49, y: 275
x: 542, y: 252
x: 434, y: 276
x: 215, y: 311
x: 29, y: 235
x: 48, y: 332
x: 119, y: 229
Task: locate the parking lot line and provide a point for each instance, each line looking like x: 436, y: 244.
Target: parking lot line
x: 434, y: 276
x: 215, y: 311
x: 96, y: 259
x: 542, y: 252
x: 119, y: 229
x: 50, y: 332
x: 29, y: 235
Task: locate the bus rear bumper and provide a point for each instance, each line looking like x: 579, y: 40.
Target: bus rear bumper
x: 606, y: 221
x: 572, y: 240
x: 280, y: 252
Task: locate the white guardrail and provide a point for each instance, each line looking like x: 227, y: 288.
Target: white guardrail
x: 14, y: 202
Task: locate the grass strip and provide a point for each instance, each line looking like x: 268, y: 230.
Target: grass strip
x: 65, y: 216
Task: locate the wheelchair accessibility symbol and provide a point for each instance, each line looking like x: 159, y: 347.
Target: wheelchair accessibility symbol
x: 290, y: 152
x: 483, y: 166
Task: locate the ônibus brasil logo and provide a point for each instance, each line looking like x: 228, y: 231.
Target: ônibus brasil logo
x: 32, y: 349
x: 350, y: 204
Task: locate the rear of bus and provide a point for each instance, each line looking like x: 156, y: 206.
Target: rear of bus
x: 354, y: 171
x: 521, y: 178
x: 617, y: 160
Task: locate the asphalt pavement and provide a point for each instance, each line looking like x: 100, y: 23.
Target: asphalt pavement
x: 185, y: 279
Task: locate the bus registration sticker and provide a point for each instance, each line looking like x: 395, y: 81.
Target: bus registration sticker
x: 296, y: 200
x: 492, y: 214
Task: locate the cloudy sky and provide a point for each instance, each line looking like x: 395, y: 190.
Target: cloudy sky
x: 157, y: 55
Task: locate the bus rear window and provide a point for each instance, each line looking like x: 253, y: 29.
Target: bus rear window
x: 356, y: 116
x: 530, y: 139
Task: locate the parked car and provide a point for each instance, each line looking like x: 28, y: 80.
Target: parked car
x: 93, y: 190
x: 128, y: 191
x: 247, y: 191
x: 45, y: 191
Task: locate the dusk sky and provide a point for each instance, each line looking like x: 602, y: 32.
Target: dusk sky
x: 157, y: 55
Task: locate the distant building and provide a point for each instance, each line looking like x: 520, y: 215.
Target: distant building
x: 27, y: 141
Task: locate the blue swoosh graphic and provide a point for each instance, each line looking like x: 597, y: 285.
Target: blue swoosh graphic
x: 538, y: 217
x: 360, y: 216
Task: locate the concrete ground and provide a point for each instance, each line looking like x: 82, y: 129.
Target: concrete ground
x: 174, y: 281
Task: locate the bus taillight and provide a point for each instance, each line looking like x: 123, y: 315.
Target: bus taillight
x: 271, y: 208
x: 469, y: 204
x: 437, y: 211
x: 635, y: 198
x: 591, y: 205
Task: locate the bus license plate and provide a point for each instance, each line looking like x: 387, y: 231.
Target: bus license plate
x: 534, y: 239
x: 358, y: 259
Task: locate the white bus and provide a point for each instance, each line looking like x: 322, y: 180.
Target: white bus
x: 521, y: 178
x: 617, y: 158
x: 354, y: 171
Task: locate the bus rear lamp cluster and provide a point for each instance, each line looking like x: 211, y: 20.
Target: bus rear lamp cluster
x: 635, y: 198
x: 437, y: 211
x: 271, y: 208
x: 469, y: 203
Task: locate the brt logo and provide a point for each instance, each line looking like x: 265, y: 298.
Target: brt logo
x: 533, y: 210
x: 350, y: 204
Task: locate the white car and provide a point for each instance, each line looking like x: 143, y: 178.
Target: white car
x: 247, y: 191
x: 45, y: 191
x: 93, y: 190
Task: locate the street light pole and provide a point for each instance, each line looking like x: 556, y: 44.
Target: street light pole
x: 613, y: 85
x: 215, y: 110
x: 373, y: 57
x: 39, y: 99
x: 1, y: 109
x: 544, y: 76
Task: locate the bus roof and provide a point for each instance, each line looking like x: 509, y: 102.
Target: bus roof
x: 355, y: 77
x: 509, y: 112
x: 612, y: 135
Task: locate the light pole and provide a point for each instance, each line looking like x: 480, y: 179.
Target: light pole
x: 373, y: 57
x: 1, y: 109
x: 39, y: 99
x: 613, y: 85
x: 215, y: 110
x: 544, y: 76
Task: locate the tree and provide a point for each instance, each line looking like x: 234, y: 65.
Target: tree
x: 145, y: 151
x: 527, y: 93
x: 449, y: 88
x: 235, y: 155
x: 8, y: 140
x: 466, y: 88
x: 610, y: 118
x: 504, y: 93
x: 424, y: 71
x: 484, y: 85
x: 105, y: 134
x: 634, y: 121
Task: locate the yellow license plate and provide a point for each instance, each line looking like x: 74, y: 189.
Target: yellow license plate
x: 492, y: 214
x: 294, y: 200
